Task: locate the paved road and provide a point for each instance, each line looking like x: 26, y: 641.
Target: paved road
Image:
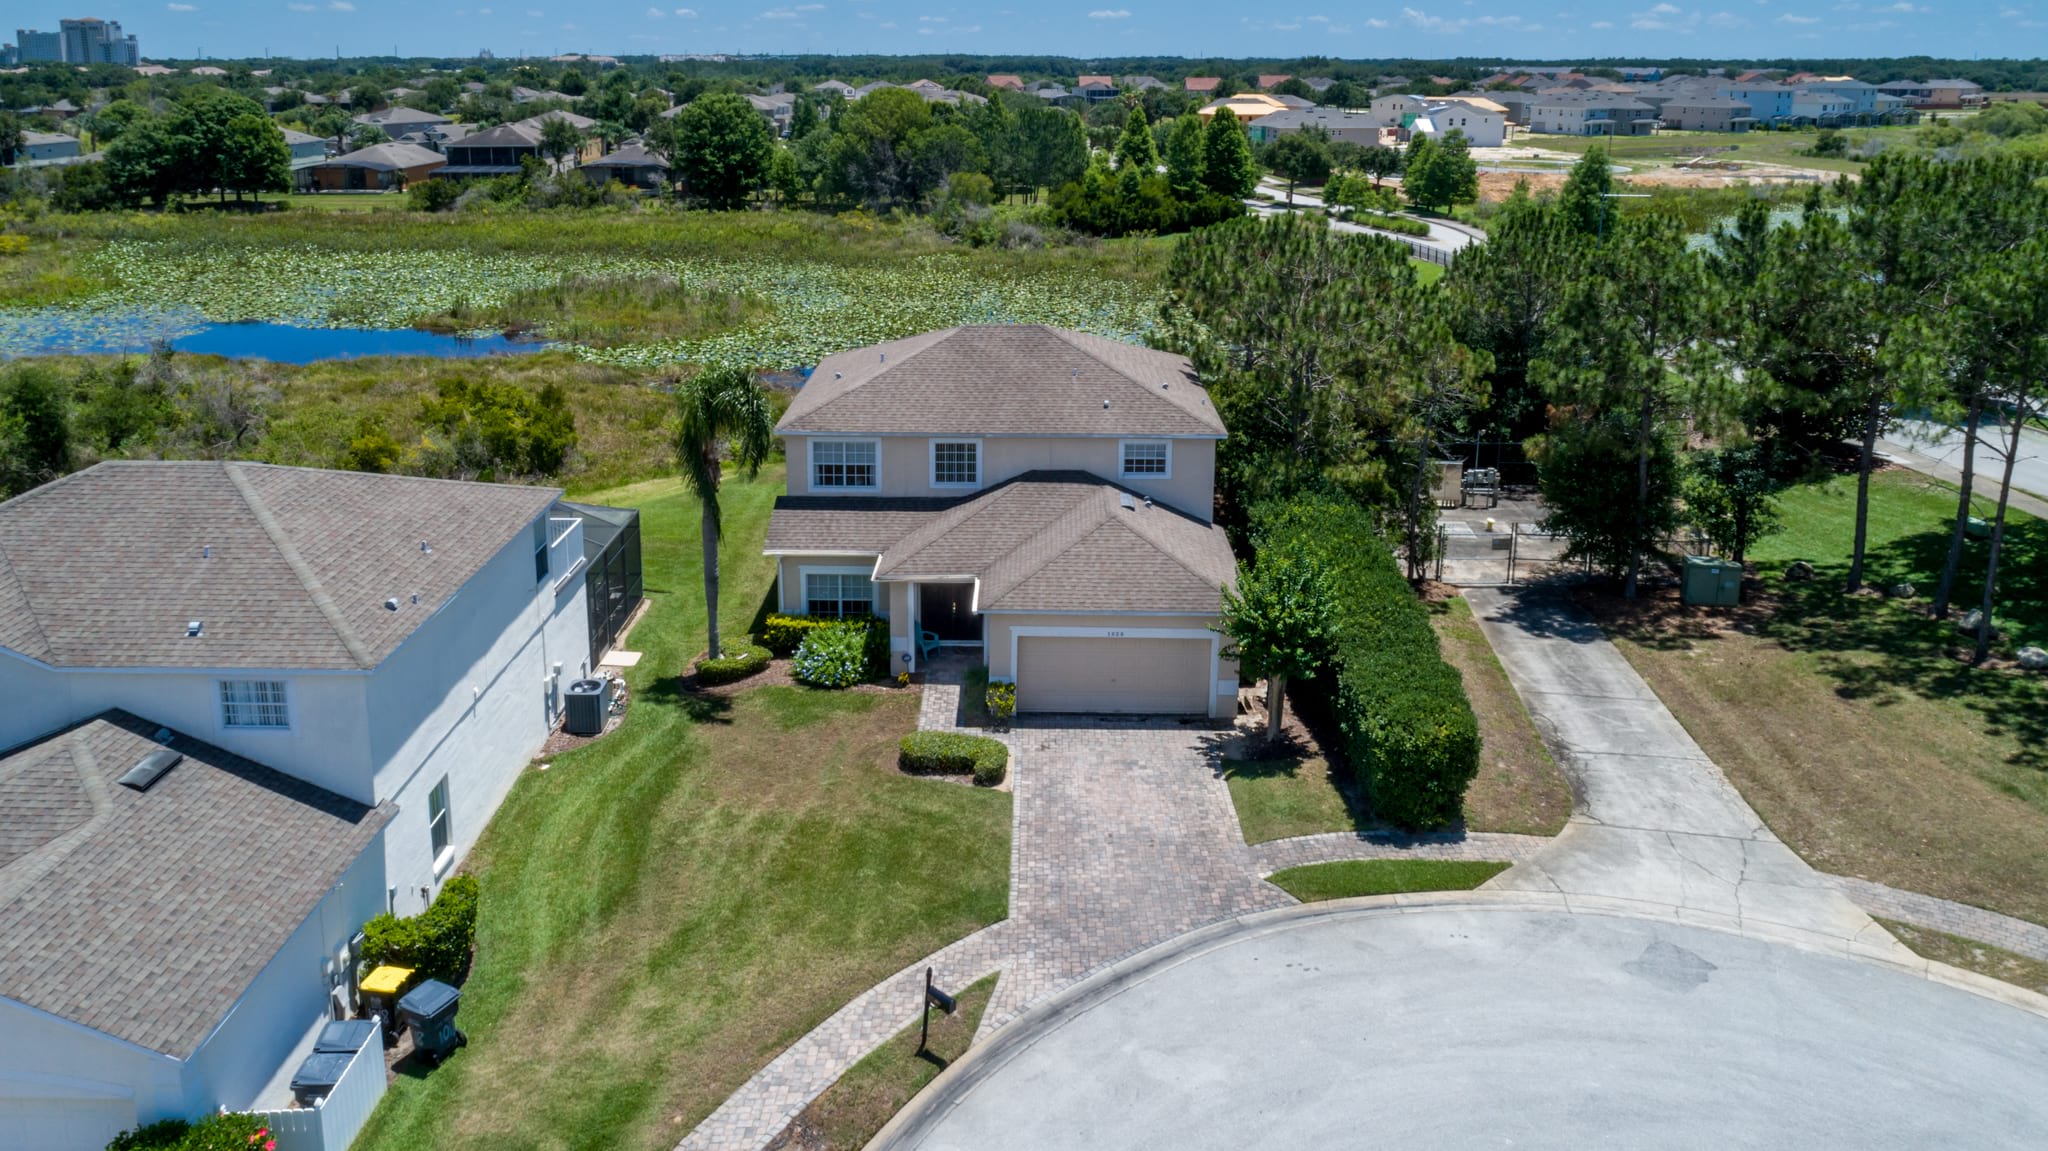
x: 1655, y: 826
x: 1460, y: 1027
x: 1945, y: 445
x: 1448, y: 237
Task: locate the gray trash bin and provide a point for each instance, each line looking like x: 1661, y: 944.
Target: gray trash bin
x: 429, y: 1010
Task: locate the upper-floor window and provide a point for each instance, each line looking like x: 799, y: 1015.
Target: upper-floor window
x: 956, y: 463
x: 258, y: 703
x: 845, y: 463
x: 540, y: 550
x: 1145, y: 459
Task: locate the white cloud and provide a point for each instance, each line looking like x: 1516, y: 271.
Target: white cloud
x: 810, y: 7
x: 1318, y: 19
x: 182, y: 7
x: 1110, y: 14
x: 687, y: 13
x: 655, y: 14
x: 1376, y: 22
x: 1789, y: 18
x: 1287, y: 27
x: 777, y: 14
x: 483, y: 11
x: 340, y: 6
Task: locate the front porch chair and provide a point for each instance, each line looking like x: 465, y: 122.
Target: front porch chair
x: 927, y: 643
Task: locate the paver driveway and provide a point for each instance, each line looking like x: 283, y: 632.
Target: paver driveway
x: 1125, y: 837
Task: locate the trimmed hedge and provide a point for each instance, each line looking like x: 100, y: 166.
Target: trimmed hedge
x: 435, y: 943
x: 1409, y: 730
x: 783, y: 634
x: 218, y: 1131
x: 952, y: 753
x: 736, y: 664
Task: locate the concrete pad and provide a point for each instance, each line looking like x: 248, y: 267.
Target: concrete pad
x: 1457, y: 1027
x: 1672, y: 794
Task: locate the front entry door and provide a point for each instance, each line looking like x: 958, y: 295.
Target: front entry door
x: 946, y: 610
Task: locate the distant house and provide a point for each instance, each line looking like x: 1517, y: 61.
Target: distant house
x: 1270, y: 80
x: 1752, y: 76
x: 632, y: 165
x: 40, y: 148
x: 845, y: 90
x: 1201, y: 85
x: 1350, y: 126
x: 1936, y: 93
x: 1707, y: 114
x: 1007, y: 82
x: 209, y: 70
x: 1573, y: 113
x: 779, y: 109
x: 399, y: 120
x: 378, y: 168
x: 154, y: 70
x: 1482, y: 121
x: 1246, y: 106
x: 1096, y: 89
x: 1318, y: 83
x: 306, y: 150
x: 498, y: 151
x: 1143, y: 83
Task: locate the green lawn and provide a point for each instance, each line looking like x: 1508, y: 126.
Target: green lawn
x: 1756, y: 147
x: 666, y: 909
x: 1854, y: 724
x: 849, y: 1113
x: 1351, y: 878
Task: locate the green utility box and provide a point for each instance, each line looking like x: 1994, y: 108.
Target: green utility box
x: 1712, y: 582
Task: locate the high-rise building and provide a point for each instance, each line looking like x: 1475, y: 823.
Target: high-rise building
x: 90, y: 40
x: 34, y: 47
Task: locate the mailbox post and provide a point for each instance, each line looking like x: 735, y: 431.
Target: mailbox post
x: 933, y: 997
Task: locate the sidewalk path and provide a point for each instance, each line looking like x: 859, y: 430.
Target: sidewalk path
x: 1302, y: 850
x: 2015, y: 935
x: 1657, y: 826
x: 1944, y: 445
x: 1989, y: 468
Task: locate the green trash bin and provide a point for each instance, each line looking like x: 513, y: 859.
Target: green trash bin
x: 1712, y: 582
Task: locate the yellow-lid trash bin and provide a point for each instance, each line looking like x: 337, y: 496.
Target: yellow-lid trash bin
x: 386, y: 980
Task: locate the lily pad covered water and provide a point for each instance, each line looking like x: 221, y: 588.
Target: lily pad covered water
x: 813, y: 309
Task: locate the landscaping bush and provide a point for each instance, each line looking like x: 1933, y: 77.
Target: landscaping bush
x: 227, y: 1131
x: 1001, y: 700
x: 162, y: 1135
x: 1408, y: 728
x: 737, y: 663
x: 951, y: 753
x: 783, y: 634
x: 435, y: 943
x: 835, y: 655
x: 876, y: 648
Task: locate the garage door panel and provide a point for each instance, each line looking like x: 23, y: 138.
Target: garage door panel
x: 62, y: 1124
x: 1130, y: 675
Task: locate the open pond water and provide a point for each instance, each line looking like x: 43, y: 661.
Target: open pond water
x: 280, y: 343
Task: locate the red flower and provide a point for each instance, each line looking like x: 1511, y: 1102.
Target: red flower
x: 270, y: 1146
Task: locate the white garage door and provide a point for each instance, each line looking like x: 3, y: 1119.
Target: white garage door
x: 42, y: 1124
x: 1144, y: 676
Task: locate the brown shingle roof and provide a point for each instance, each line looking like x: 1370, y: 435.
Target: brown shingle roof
x: 146, y: 915
x: 1069, y: 541
x: 288, y: 568
x: 857, y: 525
x: 1004, y: 379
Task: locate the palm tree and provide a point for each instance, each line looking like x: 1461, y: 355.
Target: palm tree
x: 719, y: 409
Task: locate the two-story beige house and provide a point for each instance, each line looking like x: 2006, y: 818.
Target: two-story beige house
x: 1040, y: 494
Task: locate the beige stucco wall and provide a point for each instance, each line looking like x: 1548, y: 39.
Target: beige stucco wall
x: 906, y: 466
x: 1000, y: 630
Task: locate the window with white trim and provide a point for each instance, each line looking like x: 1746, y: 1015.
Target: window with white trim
x: 437, y: 818
x: 843, y: 463
x: 956, y: 463
x: 839, y: 595
x: 257, y: 703
x: 1144, y: 458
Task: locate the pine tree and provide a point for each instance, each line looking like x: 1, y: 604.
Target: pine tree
x: 1136, y: 150
x: 1584, y: 199
x: 1186, y: 160
x: 1228, y: 167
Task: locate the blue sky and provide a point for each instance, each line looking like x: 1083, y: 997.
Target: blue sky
x: 1536, y: 29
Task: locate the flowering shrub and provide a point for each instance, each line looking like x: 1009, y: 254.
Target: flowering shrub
x: 1001, y: 699
x: 832, y: 656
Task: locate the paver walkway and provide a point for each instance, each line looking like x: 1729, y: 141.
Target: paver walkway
x: 1655, y: 825
x: 2015, y: 935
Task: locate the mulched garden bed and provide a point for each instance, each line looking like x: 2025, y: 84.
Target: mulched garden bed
x: 778, y: 674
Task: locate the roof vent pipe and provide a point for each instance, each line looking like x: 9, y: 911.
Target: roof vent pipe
x: 425, y: 550
x: 206, y: 551
x: 1105, y: 405
x: 195, y: 629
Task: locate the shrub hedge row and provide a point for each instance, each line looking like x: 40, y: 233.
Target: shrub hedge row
x: 951, y: 753
x: 220, y: 1131
x: 783, y: 634
x: 738, y: 662
x: 436, y: 942
x: 1409, y: 730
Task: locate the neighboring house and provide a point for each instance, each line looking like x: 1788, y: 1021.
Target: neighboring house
x: 1936, y: 93
x: 632, y: 165
x: 779, y: 109
x: 1006, y: 82
x: 1054, y: 94
x: 845, y: 90
x: 498, y: 151
x: 1201, y: 85
x: 1096, y: 89
x: 1246, y: 106
x: 1484, y: 122
x: 1582, y: 113
x: 1515, y: 105
x: 1353, y: 127
x: 306, y: 150
x: 208, y: 70
x: 355, y: 669
x: 1269, y: 80
x: 1707, y: 114
x: 1319, y: 83
x: 399, y: 120
x: 1039, y: 494
x: 1143, y: 83
x: 46, y: 147
x: 377, y: 168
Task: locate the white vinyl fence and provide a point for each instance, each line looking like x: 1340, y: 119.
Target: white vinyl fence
x: 332, y: 1126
